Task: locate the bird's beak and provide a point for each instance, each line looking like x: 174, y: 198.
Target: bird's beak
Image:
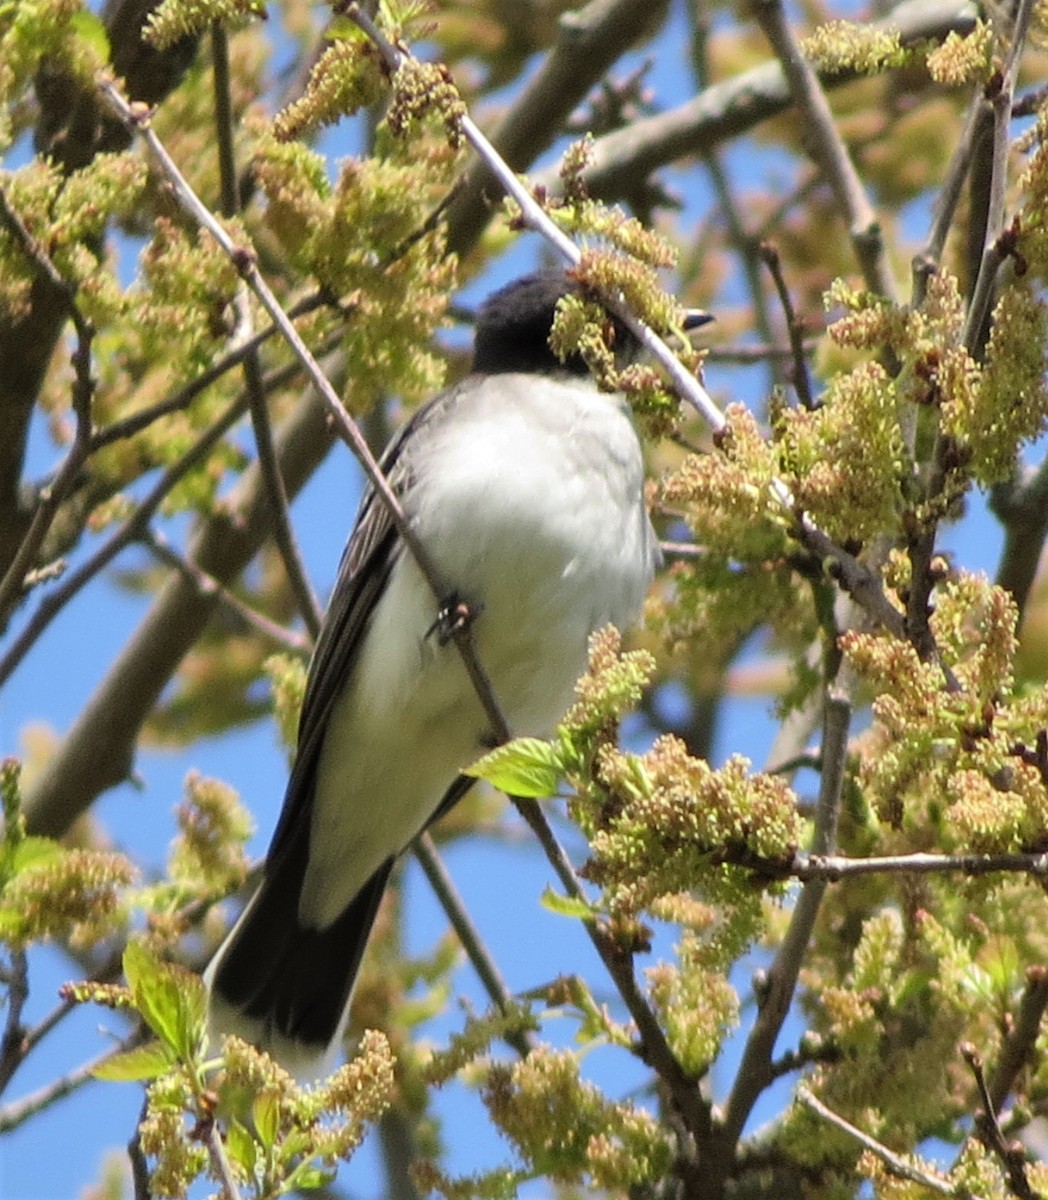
x: 695, y: 318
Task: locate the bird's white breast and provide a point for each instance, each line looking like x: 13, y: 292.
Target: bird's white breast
x: 529, y: 501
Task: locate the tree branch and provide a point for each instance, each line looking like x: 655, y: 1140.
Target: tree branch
x: 755, y: 1071
x: 1021, y: 1040
x: 483, y: 963
x: 132, y: 530
x: 896, y: 1164
x: 97, y: 752
x: 588, y: 42
x: 12, y: 1044
x: 24, y: 558
x: 827, y: 147
x: 727, y: 109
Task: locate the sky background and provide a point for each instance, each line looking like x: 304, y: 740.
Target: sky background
x: 55, y: 1155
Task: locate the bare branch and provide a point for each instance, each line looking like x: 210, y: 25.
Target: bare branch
x: 12, y: 1044
x: 794, y: 326
x: 828, y: 148
x: 896, y: 1164
x: 208, y: 585
x: 19, y: 1111
x: 994, y: 252
x: 755, y: 1071
x: 1012, y: 1156
x: 589, y: 41
x: 220, y: 1161
x: 283, y: 531
x: 948, y: 197
x: 480, y: 957
x: 132, y: 530
x: 83, y: 387
x: 1019, y: 1044
x: 137, y: 1158
x: 834, y: 867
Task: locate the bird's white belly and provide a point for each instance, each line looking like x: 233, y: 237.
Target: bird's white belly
x: 544, y: 548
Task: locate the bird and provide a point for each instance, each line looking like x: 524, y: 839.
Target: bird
x: 525, y: 486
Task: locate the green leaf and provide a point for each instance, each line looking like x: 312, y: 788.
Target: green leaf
x: 266, y: 1114
x: 567, y: 906
x: 241, y: 1147
x: 26, y: 853
x: 144, y: 1062
x: 170, y: 999
x: 527, y: 767
x: 311, y: 1178
x: 92, y: 33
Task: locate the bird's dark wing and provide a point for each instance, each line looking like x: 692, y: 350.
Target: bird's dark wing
x: 367, y: 561
x: 295, y: 979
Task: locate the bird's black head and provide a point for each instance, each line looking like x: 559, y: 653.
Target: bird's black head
x: 513, y: 327
x: 514, y: 323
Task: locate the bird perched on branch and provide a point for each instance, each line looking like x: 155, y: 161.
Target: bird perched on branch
x: 524, y: 486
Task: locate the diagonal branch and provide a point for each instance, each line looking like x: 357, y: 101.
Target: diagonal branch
x: 755, y: 1071
x: 732, y: 107
x: 589, y: 41
x: 283, y: 531
x: 24, y: 557
x: 97, y: 751
x: 828, y: 148
x: 896, y: 1164
x: 132, y: 530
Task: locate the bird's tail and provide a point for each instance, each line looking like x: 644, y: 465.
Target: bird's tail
x: 286, y: 987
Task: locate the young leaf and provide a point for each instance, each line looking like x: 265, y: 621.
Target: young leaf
x: 144, y: 1062
x: 241, y: 1147
x: 526, y: 767
x: 266, y: 1113
x: 566, y: 906
x: 170, y: 999
x: 25, y: 853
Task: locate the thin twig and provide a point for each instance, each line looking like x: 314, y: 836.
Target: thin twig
x: 993, y: 251
x: 83, y: 389
x: 828, y: 148
x: 1019, y: 1045
x: 743, y: 356
x: 1011, y: 1155
x: 208, y: 585
x: 181, y: 399
x: 220, y: 1163
x: 746, y: 244
x: 19, y: 1111
x: 896, y: 1164
x: 12, y: 1045
x: 654, y: 1049
x: 137, y: 1158
x: 283, y: 531
x: 947, y: 199
x: 755, y: 1070
x: 132, y: 530
x: 794, y: 325
x: 485, y: 966
x: 832, y: 868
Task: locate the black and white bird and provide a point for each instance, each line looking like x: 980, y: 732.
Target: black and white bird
x: 524, y: 483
